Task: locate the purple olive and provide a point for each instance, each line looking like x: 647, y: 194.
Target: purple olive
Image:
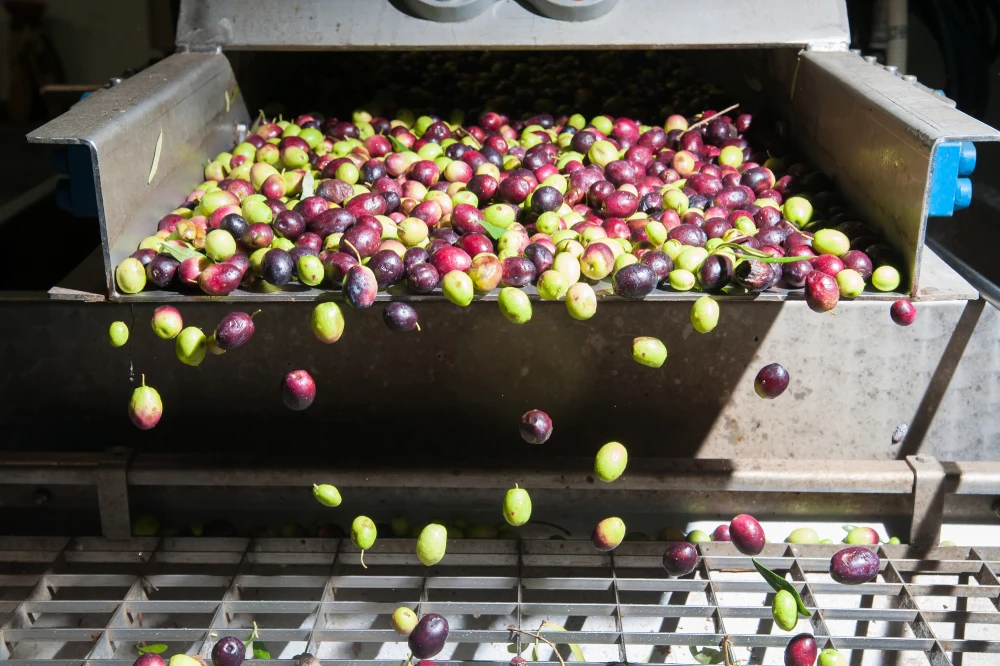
x: 360, y: 287
x: 288, y: 224
x: 422, y: 278
x: 540, y: 256
x: 145, y: 256
x: 277, y: 267
x: 795, y: 273
x: 771, y: 381
x: 414, y: 256
x: 400, y: 317
x: 634, y: 281
x: 234, y: 331
x: 680, y: 558
x: 333, y: 221
x: 535, y: 427
x: 149, y: 659
x: 518, y: 272
x: 162, y: 269
x: 747, y: 534
x: 753, y: 275
x: 822, y: 291
x: 688, y: 234
x: 429, y: 636
x: 228, y: 651
x: 387, y: 266
x: 220, y: 279
x: 336, y: 265
x: 854, y: 565
x: 801, y: 651
x: 859, y: 261
x: 715, y: 273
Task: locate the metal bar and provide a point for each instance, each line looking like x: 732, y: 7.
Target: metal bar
x: 929, y: 492
x: 327, y: 601
x: 112, y: 494
x: 357, y: 24
x: 622, y: 651
x: 986, y: 288
x: 885, y: 168
x: 919, y: 625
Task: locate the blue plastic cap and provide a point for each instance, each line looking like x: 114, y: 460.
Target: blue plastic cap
x: 963, y: 193
x: 967, y: 159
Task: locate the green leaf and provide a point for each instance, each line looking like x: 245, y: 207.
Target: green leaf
x: 847, y: 528
x: 573, y: 647
x: 260, y: 652
x: 534, y: 652
x: 397, y: 145
x: 180, y: 253
x: 308, y: 184
x: 492, y: 229
x: 157, y: 648
x: 779, y: 583
x: 706, y: 655
x: 156, y: 157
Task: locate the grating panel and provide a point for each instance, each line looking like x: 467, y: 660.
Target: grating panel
x: 94, y: 599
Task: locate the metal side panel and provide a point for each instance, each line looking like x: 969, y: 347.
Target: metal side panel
x: 506, y: 24
x: 876, y: 135
x: 188, y: 99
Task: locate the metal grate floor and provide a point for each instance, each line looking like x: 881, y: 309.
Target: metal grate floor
x: 89, y: 600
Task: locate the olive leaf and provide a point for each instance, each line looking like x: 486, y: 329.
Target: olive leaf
x: 156, y: 157
x: 180, y: 253
x: 779, y: 583
x: 573, y: 647
x: 308, y: 184
x: 397, y: 145
x: 156, y: 648
x: 706, y: 655
x: 848, y: 528
x: 260, y: 652
x: 492, y: 229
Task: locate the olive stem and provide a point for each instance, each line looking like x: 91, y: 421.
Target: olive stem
x: 144, y: 379
x: 539, y: 637
x: 709, y: 119
x: 363, y: 558
x: 418, y: 327
x: 357, y: 254
x: 255, y: 314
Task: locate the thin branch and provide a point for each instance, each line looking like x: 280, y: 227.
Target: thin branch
x: 709, y: 119
x: 539, y: 637
x: 727, y: 648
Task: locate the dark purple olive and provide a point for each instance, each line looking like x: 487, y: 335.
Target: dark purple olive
x: 688, y: 234
x: 234, y: 224
x: 859, y: 261
x: 364, y: 239
x: 801, y: 651
x: 854, y: 565
x: 715, y: 227
x: 298, y: 252
x: 449, y: 236
x: 277, y: 267
x: 333, y: 221
x: 680, y: 558
x: 334, y: 190
x: 535, y: 427
x: 149, y: 659
x: 360, y: 287
x: 540, y: 256
x: 241, y: 261
x: 162, y: 269
x: 772, y: 235
x: 660, y: 262
x: 387, y: 266
x: 721, y: 533
x: 429, y: 636
x: 715, y: 273
x: 634, y: 281
x: 422, y: 278
x: 545, y: 199
x: 289, y: 224
x: 234, y: 331
x: 400, y: 317
x: 336, y: 265
x: 518, y: 272
x: 795, y: 273
x: 753, y: 275
x: 771, y: 381
x: 414, y: 256
x: 746, y: 534
x: 145, y: 256
x: 822, y: 291
x: 228, y: 651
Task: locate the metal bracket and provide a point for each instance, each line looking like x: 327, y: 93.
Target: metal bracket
x: 112, y: 493
x: 929, y: 491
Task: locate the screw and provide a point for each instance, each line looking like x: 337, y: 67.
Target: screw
x: 871, y: 60
x: 910, y: 78
x: 892, y: 69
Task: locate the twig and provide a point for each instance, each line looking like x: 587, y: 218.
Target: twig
x: 709, y: 119
x: 539, y: 637
x: 727, y: 648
